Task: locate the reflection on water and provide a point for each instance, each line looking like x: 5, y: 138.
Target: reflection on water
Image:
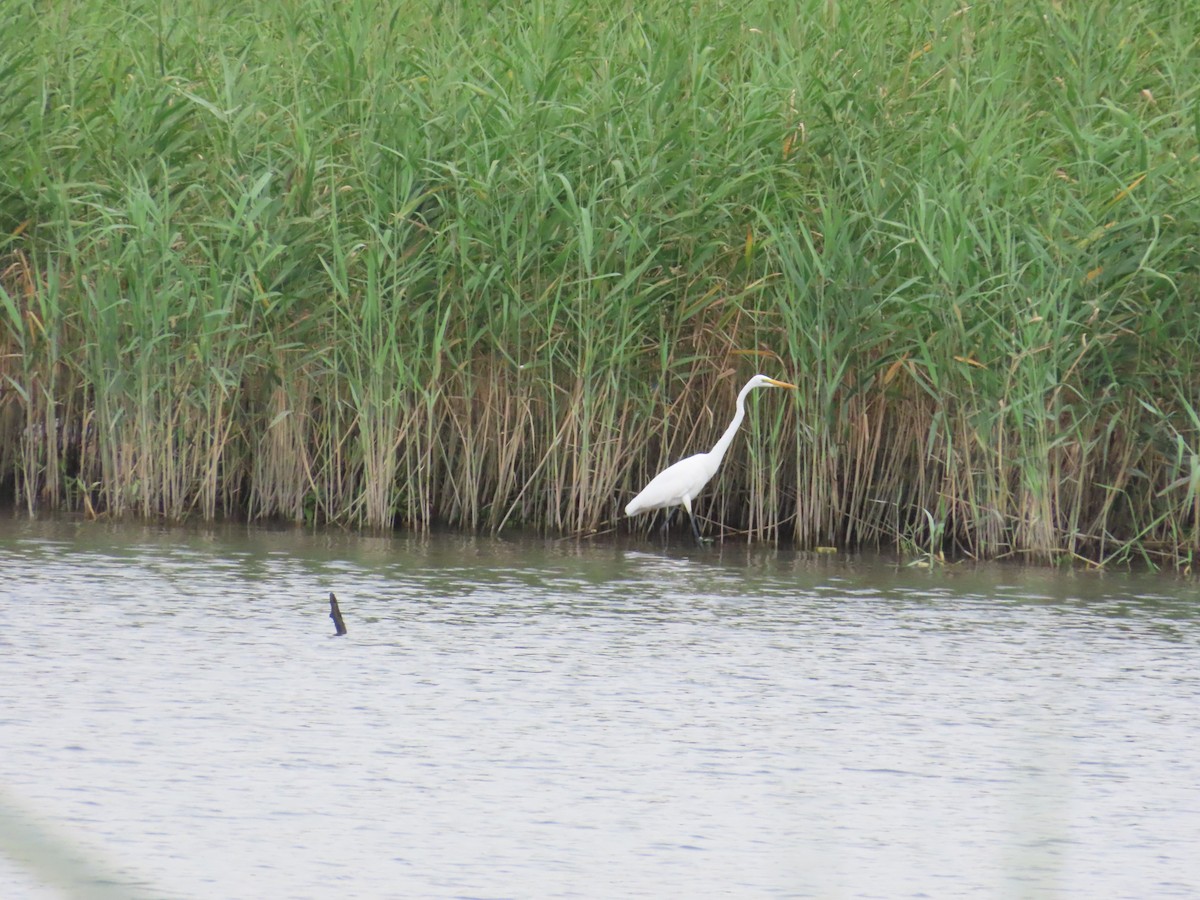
x: 526, y: 718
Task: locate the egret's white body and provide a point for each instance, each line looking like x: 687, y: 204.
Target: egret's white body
x: 678, y: 484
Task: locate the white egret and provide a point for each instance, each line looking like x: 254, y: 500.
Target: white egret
x: 679, y: 483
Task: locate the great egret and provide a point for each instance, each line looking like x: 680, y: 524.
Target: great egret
x: 678, y: 484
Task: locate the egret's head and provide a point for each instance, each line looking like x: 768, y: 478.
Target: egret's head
x: 763, y: 381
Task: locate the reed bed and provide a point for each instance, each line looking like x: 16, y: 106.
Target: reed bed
x: 404, y: 263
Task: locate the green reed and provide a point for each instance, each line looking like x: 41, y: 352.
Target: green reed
x: 401, y: 262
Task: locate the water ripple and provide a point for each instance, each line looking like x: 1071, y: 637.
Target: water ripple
x: 533, y: 718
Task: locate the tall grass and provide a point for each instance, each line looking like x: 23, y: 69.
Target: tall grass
x: 405, y: 262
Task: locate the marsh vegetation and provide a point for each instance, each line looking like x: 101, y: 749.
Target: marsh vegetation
x: 405, y: 262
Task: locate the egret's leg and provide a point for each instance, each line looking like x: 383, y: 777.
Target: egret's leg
x: 668, y: 518
x: 687, y: 504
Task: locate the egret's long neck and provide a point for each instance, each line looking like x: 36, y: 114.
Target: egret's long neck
x: 717, y: 453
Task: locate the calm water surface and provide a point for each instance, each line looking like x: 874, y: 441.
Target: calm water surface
x: 534, y: 719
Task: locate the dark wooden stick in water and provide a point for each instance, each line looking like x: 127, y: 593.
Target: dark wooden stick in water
x: 336, y: 614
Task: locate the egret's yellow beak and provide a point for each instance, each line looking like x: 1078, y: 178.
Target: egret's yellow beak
x: 775, y: 383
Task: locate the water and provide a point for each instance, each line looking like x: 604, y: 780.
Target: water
x: 537, y: 719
